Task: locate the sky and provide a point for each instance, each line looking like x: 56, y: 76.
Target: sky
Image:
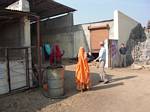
x: 98, y: 10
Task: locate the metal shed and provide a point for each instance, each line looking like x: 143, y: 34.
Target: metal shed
x: 42, y: 8
x: 17, y: 51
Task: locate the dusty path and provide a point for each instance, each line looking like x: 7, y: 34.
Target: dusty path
x: 129, y: 91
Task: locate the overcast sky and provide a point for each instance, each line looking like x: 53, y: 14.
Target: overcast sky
x: 97, y: 10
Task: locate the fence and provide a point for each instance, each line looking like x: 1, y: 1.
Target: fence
x: 15, y: 69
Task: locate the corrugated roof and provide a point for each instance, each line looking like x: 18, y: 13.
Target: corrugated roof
x: 48, y: 8
x: 43, y: 8
x: 5, y: 3
x: 10, y: 13
x: 7, y: 15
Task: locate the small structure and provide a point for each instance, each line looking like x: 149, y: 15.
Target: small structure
x: 14, y: 49
x: 16, y: 17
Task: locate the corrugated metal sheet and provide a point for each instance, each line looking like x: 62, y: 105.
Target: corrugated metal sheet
x: 48, y: 8
x: 7, y: 15
x: 43, y: 8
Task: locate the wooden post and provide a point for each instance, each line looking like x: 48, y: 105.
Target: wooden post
x: 8, y: 68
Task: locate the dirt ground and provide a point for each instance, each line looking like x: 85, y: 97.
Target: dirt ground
x: 129, y: 91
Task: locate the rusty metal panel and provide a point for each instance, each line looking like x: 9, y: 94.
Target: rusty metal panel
x: 98, y: 35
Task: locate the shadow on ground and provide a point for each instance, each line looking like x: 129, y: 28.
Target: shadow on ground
x: 123, y: 78
x: 34, y: 101
x: 70, y: 87
x: 106, y: 86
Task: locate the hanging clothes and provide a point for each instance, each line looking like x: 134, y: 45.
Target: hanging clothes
x: 56, y: 55
x: 47, y: 51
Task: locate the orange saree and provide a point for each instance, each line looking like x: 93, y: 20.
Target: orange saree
x: 82, y: 71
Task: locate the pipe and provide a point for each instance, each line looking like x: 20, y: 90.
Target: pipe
x: 8, y: 68
x: 38, y: 48
x: 39, y: 51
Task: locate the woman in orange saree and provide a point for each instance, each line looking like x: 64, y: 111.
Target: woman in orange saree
x: 82, y: 71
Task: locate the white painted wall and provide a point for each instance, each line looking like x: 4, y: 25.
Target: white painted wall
x: 27, y: 34
x: 107, y: 52
x: 25, y: 6
x: 123, y: 25
x: 27, y: 42
x: 116, y: 26
x: 20, y: 5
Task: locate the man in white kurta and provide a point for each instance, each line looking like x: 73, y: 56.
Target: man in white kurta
x: 102, y: 60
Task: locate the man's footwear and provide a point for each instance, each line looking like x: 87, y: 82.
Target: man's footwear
x: 106, y: 82
x: 101, y: 81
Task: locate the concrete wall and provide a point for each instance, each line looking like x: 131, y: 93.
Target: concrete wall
x: 70, y: 37
x: 57, y: 30
x: 123, y: 25
x: 20, y: 30
x: 11, y: 34
x: 26, y: 30
x: 80, y: 39
x: 15, y: 33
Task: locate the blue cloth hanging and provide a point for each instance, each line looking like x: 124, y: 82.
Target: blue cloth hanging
x: 47, y: 48
x: 47, y: 51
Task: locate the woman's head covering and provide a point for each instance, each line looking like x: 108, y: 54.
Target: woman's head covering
x: 81, y: 52
x: 82, y: 69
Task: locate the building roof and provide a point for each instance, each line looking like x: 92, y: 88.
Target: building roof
x: 7, y: 15
x: 5, y: 3
x: 103, y: 21
x: 48, y: 8
x: 42, y: 8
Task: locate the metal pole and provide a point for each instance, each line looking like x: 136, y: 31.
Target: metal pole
x: 27, y: 68
x: 39, y: 51
x: 110, y: 48
x: 8, y: 68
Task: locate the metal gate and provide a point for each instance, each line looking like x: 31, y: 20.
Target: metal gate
x: 14, y: 69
